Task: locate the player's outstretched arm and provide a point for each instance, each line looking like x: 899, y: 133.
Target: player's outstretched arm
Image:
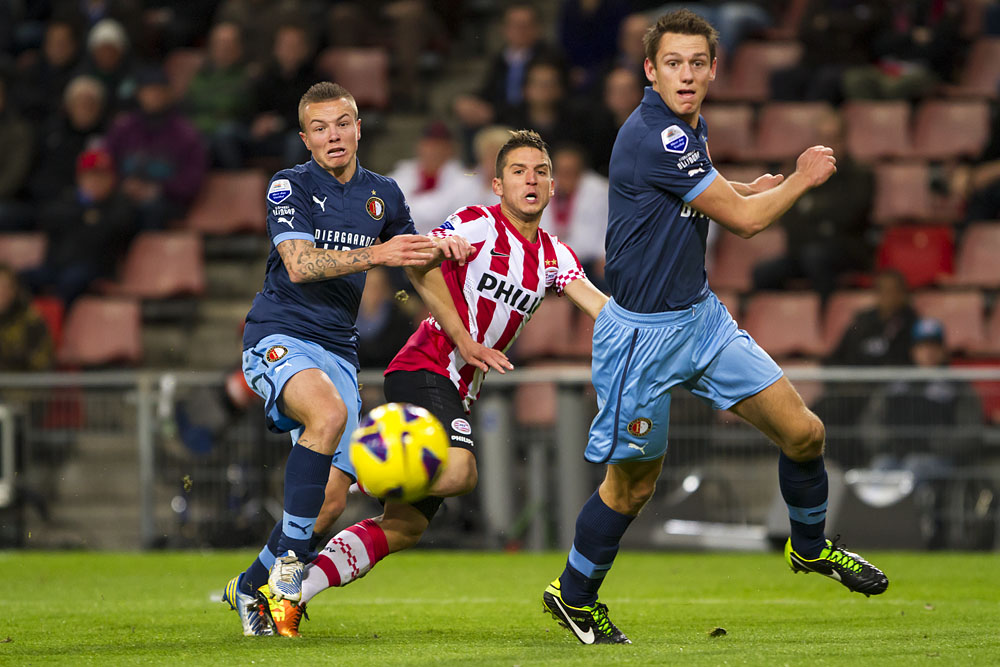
x: 454, y: 247
x: 306, y: 263
x: 746, y: 215
x: 431, y: 287
x: 586, y: 297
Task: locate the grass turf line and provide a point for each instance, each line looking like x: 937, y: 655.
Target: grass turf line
x: 456, y: 608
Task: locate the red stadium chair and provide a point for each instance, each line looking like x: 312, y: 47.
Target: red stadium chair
x: 978, y: 261
x: 730, y: 131
x: 951, y: 129
x: 841, y: 309
x: 786, y: 129
x: 548, y: 332
x: 163, y: 264
x: 981, y: 74
x: 903, y: 194
x: 230, y: 202
x: 988, y: 391
x: 785, y: 323
x: 748, y: 78
x: 21, y: 251
x: 877, y: 130
x: 53, y: 311
x: 102, y: 331
x: 961, y: 312
x: 735, y: 258
x: 923, y: 254
x: 180, y: 66
x: 364, y: 72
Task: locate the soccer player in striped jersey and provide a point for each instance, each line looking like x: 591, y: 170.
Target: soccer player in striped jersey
x: 494, y: 295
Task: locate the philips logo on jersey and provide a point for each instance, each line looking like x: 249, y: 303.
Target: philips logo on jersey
x: 279, y: 191
x: 508, y: 293
x: 674, y: 139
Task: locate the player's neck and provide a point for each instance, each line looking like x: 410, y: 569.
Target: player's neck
x: 526, y: 228
x: 345, y: 173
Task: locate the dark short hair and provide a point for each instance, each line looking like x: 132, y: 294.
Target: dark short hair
x: 520, y: 139
x: 681, y: 22
x: 324, y: 91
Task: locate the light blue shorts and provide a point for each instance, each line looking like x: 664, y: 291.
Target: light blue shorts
x: 269, y: 364
x: 638, y: 358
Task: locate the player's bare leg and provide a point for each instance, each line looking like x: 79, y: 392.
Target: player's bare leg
x: 779, y: 413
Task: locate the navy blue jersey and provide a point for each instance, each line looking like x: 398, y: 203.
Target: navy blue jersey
x: 655, y: 241
x: 305, y: 202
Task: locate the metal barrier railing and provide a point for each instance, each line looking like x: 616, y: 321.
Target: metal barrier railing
x: 144, y: 459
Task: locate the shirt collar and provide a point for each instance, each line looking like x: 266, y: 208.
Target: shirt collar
x: 652, y: 98
x: 323, y: 173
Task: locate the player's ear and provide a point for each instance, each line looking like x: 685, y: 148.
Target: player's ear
x: 498, y: 187
x: 647, y: 66
x: 357, y: 126
x: 302, y: 135
x: 715, y: 64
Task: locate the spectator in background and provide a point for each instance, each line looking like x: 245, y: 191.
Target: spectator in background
x: 587, y: 32
x: 546, y: 107
x: 219, y: 97
x: 979, y: 183
x: 16, y: 151
x: 88, y: 231
x: 503, y: 86
x: 734, y: 20
x: 71, y: 130
x: 622, y: 94
x: 434, y: 182
x: 274, y: 131
x: 631, y: 54
x: 826, y: 227
x: 108, y: 61
x: 42, y: 80
x: 25, y: 343
x: 161, y: 158
x: 578, y: 212
x: 486, y: 144
x: 879, y: 336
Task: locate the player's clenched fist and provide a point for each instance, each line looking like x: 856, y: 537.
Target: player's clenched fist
x: 405, y: 250
x: 817, y: 163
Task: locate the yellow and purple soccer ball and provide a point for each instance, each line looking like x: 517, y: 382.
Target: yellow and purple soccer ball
x: 398, y: 451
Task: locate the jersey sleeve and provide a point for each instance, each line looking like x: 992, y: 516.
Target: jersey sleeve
x: 397, y: 216
x: 470, y: 222
x: 568, y: 266
x: 674, y: 161
x: 288, y: 213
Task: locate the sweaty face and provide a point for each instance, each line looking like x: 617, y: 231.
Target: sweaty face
x: 681, y: 73
x: 332, y: 131
x: 525, y: 185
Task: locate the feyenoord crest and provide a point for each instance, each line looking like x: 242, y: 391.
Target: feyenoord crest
x: 639, y: 427
x: 376, y: 207
x: 275, y: 353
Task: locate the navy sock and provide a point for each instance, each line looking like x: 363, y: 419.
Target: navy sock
x: 804, y: 487
x: 599, y: 530
x: 256, y: 575
x: 306, y: 475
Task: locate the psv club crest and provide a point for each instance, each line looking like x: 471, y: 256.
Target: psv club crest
x: 375, y: 207
x: 639, y: 427
x: 275, y: 353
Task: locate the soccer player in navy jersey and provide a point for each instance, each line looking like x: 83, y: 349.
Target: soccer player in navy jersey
x: 300, y: 341
x: 663, y: 327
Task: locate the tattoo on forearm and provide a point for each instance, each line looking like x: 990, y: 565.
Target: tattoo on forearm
x: 312, y: 263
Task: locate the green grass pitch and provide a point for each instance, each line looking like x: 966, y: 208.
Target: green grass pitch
x: 460, y: 608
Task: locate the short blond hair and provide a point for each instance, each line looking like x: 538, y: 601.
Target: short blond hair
x: 324, y: 91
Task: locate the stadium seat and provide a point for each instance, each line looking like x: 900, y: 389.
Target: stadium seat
x: 735, y: 258
x: 53, y: 312
x: 841, y: 308
x: 536, y: 404
x: 731, y: 300
x: 809, y: 390
x: 21, y: 251
x: 951, y: 129
x: 581, y: 337
x: 903, y: 194
x: 961, y: 312
x: 992, y: 343
x: 785, y: 323
x: 978, y: 260
x: 363, y: 71
x: 180, y: 66
x: 230, y: 202
x: 877, y: 130
x: 981, y: 73
x: 785, y: 129
x: 548, y: 332
x: 730, y: 131
x: 102, y: 331
x: 987, y: 390
x: 923, y: 254
x: 748, y: 78
x: 163, y: 264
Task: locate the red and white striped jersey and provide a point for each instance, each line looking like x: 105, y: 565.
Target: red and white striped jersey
x: 495, y: 293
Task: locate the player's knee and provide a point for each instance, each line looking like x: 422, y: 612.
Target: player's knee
x: 328, y: 426
x: 809, y: 441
